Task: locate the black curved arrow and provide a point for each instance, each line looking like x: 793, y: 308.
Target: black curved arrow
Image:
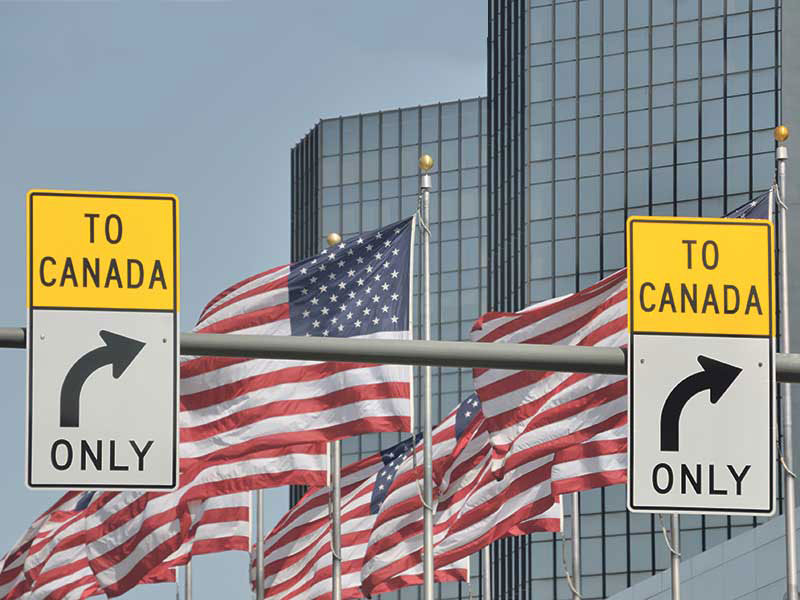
x: 716, y: 377
x: 119, y: 351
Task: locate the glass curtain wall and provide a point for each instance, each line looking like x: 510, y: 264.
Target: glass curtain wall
x: 357, y: 173
x: 659, y: 107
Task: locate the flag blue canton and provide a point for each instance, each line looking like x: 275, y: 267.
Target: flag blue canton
x: 84, y: 500
x: 358, y: 287
x: 467, y: 411
x: 757, y: 208
x: 392, y: 457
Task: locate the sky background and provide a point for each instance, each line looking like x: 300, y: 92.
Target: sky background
x: 203, y: 100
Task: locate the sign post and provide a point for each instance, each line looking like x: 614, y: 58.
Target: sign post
x: 701, y: 368
x: 102, y: 302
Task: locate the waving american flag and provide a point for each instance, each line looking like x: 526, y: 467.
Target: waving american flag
x: 297, y: 553
x: 358, y: 288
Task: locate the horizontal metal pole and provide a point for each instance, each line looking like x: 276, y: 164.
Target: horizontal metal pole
x: 532, y: 357
x: 410, y: 352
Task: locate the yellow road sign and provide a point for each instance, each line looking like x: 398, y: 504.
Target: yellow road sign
x: 102, y: 250
x: 701, y: 369
x: 700, y: 276
x: 103, y: 340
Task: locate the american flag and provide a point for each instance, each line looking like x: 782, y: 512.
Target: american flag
x: 57, y: 562
x: 532, y: 414
x: 599, y: 461
x: 757, y: 208
x: 472, y: 507
x: 298, y: 559
x: 224, y: 525
x: 128, y: 534
x: 358, y: 288
x: 12, y: 577
x: 394, y: 552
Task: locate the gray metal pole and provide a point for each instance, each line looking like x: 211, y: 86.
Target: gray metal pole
x: 576, y: 546
x: 486, y: 573
x: 335, y: 472
x: 675, y: 542
x: 771, y: 205
x: 578, y: 359
x: 530, y: 357
x: 427, y: 409
x: 259, y: 544
x: 782, y: 155
x: 335, y: 460
x: 187, y: 580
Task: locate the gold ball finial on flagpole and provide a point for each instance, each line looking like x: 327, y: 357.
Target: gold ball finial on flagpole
x: 426, y: 162
x: 781, y: 133
x: 334, y: 238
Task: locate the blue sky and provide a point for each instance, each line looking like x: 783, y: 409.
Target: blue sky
x: 202, y: 100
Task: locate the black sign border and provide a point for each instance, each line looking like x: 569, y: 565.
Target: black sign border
x: 631, y: 340
x: 30, y: 336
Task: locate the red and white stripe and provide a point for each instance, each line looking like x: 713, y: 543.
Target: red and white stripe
x: 298, y: 558
x: 394, y: 552
x: 599, y: 461
x: 224, y: 525
x: 537, y: 413
x: 473, y: 509
x: 521, y: 502
x: 258, y: 403
x: 136, y: 533
x: 12, y: 565
x: 58, y: 563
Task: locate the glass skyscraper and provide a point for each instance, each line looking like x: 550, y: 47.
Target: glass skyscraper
x: 356, y: 173
x: 597, y: 110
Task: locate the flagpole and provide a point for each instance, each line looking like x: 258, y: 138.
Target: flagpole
x: 426, y: 164
x: 187, y: 580
x: 781, y: 156
x: 250, y: 541
x: 486, y: 573
x: 335, y: 481
x: 335, y: 458
x: 675, y: 555
x: 259, y: 544
x: 576, y: 546
x: 771, y: 204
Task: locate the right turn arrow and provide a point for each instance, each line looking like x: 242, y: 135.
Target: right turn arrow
x: 716, y: 377
x: 118, y: 351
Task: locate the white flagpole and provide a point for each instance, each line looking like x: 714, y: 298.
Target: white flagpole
x: 486, y: 573
x: 426, y: 164
x: 771, y: 204
x: 675, y: 555
x: 335, y: 477
x: 782, y: 155
x: 187, y: 580
x: 250, y: 541
x: 576, y: 546
x: 335, y: 461
x: 260, y: 545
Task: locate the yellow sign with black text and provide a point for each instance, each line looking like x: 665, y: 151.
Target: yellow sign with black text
x: 701, y: 366
x: 103, y: 340
x: 102, y: 250
x: 700, y: 276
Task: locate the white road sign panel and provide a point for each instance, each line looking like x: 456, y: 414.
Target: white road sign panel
x: 701, y: 428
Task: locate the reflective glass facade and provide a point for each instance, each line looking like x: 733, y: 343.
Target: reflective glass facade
x: 600, y: 109
x: 353, y: 174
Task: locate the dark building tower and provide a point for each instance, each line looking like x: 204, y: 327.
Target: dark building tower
x: 600, y: 109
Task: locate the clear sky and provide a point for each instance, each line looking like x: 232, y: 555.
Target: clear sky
x: 203, y: 100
